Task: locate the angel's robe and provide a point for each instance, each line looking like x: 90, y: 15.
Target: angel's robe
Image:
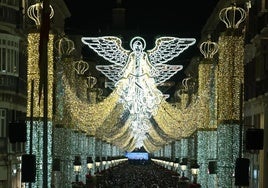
x: 137, y: 86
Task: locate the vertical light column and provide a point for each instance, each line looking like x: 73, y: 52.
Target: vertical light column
x: 229, y: 80
x: 62, y: 149
x: 177, y: 149
x: 33, y: 74
x: 75, y: 151
x: 207, y: 150
x: 59, y: 102
x: 230, y: 77
x: 98, y: 153
x: 207, y: 134
x: 92, y: 151
x: 37, y: 150
x: 228, y: 149
x: 184, y: 148
x: 184, y: 152
x: 204, y: 76
x: 83, y: 152
x: 207, y: 93
x: 63, y: 67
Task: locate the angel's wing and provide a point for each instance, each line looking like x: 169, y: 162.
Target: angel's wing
x: 108, y: 47
x: 165, y: 72
x: 166, y: 48
x: 112, y: 72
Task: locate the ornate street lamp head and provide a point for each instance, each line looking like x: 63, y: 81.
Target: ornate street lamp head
x: 64, y: 46
x: 35, y: 11
x: 81, y: 67
x: 208, y: 48
x: 232, y: 16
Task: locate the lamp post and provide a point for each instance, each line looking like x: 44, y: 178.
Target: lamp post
x: 176, y: 164
x: 97, y: 163
x: 103, y: 163
x: 109, y: 162
x: 183, y: 165
x: 77, y: 167
x: 89, y: 164
x: 170, y: 164
x: 194, y: 171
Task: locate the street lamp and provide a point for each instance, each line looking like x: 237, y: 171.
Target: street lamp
x: 194, y: 170
x: 77, y: 167
x: 183, y: 165
x: 89, y: 164
x: 97, y: 163
x: 170, y: 164
x: 103, y: 163
x: 176, y: 164
x: 109, y: 162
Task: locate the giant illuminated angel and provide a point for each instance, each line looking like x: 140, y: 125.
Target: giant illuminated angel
x: 136, y: 73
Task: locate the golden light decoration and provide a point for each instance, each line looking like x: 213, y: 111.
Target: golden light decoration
x: 150, y: 147
x: 91, y: 81
x: 230, y: 77
x: 205, y: 76
x: 137, y: 72
x: 103, y: 120
x: 88, y: 116
x: 35, y: 11
x: 64, y: 46
x: 208, y: 48
x: 119, y: 134
x: 232, y: 16
x: 81, y: 67
x: 33, y: 74
x: 113, y: 127
x: 157, y: 138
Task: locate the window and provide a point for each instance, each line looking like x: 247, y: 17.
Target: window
x: 9, y: 55
x: 262, y: 5
x: 2, y: 122
x: 257, y: 120
x: 248, y: 121
x: 10, y: 2
x: 265, y: 4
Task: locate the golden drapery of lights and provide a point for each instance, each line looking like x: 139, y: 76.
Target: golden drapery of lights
x: 88, y: 117
x: 230, y: 76
x: 33, y: 74
x: 218, y: 92
x: 104, y: 119
x: 207, y: 71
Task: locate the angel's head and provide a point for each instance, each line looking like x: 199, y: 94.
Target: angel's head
x: 137, y: 44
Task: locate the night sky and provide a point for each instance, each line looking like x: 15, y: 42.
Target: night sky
x: 146, y: 18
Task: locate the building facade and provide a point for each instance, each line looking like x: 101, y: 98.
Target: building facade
x: 14, y: 27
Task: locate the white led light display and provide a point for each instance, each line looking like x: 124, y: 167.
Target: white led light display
x: 136, y: 73
x: 37, y: 150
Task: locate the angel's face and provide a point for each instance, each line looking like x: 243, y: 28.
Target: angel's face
x: 137, y: 46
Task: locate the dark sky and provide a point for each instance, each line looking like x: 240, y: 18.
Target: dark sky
x: 146, y: 18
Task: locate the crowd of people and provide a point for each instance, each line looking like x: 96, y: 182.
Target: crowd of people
x: 139, y: 174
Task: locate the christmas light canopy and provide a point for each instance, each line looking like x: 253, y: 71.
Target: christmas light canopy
x: 136, y: 73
